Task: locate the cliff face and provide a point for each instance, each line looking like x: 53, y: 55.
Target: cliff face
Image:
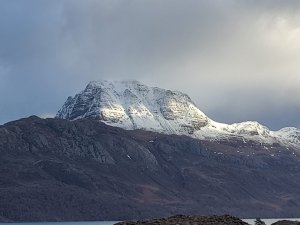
x: 55, y: 169
x: 133, y: 105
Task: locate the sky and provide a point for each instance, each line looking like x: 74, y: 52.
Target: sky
x: 237, y: 59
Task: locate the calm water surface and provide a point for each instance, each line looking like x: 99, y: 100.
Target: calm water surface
x: 65, y: 223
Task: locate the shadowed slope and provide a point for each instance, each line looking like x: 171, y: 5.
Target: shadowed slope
x: 55, y: 169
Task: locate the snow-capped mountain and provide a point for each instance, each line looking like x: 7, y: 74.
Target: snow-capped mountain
x: 133, y: 105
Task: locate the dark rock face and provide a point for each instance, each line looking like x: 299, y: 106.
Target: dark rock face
x: 189, y: 220
x: 54, y: 169
x: 286, y: 222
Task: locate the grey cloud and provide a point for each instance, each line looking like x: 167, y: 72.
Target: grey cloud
x: 237, y: 59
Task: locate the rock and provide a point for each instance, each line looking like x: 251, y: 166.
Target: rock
x: 286, y: 222
x: 189, y: 220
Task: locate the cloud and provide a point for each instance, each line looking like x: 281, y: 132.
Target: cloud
x: 47, y: 115
x: 238, y: 60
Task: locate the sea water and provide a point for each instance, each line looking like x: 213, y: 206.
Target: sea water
x: 65, y: 223
x: 250, y: 221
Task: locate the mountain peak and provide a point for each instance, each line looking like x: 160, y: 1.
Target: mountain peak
x: 114, y: 83
x: 130, y: 104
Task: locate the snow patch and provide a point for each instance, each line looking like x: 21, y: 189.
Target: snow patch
x: 133, y: 105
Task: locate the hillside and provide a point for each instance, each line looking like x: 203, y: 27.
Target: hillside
x: 55, y: 169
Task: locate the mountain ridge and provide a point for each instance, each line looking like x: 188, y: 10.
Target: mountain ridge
x: 133, y: 105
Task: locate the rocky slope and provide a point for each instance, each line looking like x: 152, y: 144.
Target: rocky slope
x: 133, y: 105
x: 55, y: 169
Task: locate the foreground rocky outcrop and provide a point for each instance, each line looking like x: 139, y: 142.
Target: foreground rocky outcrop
x: 189, y: 220
x: 286, y: 222
x: 60, y: 170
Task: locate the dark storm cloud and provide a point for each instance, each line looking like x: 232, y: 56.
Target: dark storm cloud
x: 238, y: 60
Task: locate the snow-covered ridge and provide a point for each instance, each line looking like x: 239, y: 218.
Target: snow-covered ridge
x: 133, y: 105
